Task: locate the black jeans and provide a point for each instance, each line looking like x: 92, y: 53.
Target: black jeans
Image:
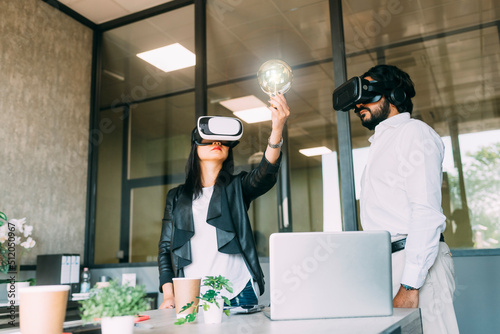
x: 245, y: 297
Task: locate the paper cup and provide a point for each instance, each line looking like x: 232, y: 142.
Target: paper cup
x: 185, y: 291
x: 42, y: 309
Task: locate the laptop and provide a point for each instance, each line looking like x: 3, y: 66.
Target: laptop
x: 330, y: 275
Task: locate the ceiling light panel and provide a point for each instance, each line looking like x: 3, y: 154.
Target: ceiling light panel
x: 249, y: 108
x: 314, y: 151
x: 169, y: 58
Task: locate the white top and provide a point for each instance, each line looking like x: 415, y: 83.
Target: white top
x: 207, y: 260
x: 401, y: 190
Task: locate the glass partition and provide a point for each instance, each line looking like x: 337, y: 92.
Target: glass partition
x: 160, y: 136
x: 108, y: 139
x: 153, y: 133
x: 451, y: 51
x: 148, y: 204
x: 242, y: 36
x: 126, y: 78
x: 159, y: 147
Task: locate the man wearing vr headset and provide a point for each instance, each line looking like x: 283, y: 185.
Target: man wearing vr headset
x: 401, y: 193
x: 206, y: 230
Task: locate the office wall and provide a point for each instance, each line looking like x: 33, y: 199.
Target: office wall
x: 45, y: 72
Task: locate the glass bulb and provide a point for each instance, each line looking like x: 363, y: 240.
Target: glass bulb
x: 275, y: 76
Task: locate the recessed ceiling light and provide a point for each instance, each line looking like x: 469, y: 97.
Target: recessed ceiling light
x: 169, y: 58
x: 249, y: 108
x: 313, y: 151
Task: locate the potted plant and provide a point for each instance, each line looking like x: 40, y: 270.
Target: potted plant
x: 211, y: 300
x: 115, y: 305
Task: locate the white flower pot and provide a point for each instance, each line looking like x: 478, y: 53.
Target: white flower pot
x: 117, y: 325
x: 214, y: 314
x: 13, y: 291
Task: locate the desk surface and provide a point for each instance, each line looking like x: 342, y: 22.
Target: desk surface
x: 402, y: 321
x: 408, y: 320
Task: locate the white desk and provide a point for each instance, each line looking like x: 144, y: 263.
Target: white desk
x: 407, y: 320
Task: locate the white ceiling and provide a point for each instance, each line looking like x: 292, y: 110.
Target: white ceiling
x: 100, y: 11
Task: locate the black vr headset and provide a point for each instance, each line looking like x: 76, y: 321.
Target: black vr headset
x: 361, y: 91
x: 217, y: 128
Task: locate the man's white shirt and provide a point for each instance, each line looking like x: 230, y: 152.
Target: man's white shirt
x: 401, y: 190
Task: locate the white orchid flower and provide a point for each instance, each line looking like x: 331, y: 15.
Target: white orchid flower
x: 29, y: 243
x: 27, y: 230
x: 22, y: 231
x: 19, y: 223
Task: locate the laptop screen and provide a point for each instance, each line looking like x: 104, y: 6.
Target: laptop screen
x: 330, y: 274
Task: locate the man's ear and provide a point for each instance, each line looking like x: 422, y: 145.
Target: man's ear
x: 393, y: 110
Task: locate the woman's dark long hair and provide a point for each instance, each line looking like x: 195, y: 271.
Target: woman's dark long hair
x: 193, y: 186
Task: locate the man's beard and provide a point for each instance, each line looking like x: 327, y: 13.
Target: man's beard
x: 378, y: 115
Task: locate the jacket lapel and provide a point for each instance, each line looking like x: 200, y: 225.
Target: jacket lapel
x: 219, y: 216
x: 215, y: 206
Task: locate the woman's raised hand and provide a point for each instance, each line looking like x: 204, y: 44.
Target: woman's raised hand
x: 279, y: 112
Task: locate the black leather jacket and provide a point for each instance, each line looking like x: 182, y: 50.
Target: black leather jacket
x: 227, y: 212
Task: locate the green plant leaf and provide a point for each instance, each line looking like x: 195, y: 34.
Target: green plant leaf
x: 192, y: 316
x: 3, y: 217
x: 180, y: 321
x: 188, y: 318
x: 185, y: 307
x: 114, y: 300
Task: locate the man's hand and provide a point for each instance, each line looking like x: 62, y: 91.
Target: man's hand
x: 406, y: 298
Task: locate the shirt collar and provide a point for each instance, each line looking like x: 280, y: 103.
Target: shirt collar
x: 391, y: 122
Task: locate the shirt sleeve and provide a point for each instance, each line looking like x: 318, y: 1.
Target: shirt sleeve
x: 420, y: 160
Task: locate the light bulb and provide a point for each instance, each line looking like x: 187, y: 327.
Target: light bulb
x: 275, y: 76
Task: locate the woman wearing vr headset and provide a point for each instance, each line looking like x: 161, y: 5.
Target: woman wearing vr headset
x: 206, y: 230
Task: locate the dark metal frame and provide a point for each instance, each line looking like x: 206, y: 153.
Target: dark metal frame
x: 284, y: 194
x: 95, y: 89
x: 349, y: 210
x: 200, y: 46
x: 346, y: 166
x: 70, y: 12
x: 126, y: 191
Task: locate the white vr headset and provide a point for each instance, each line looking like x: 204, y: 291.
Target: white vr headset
x: 217, y: 128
